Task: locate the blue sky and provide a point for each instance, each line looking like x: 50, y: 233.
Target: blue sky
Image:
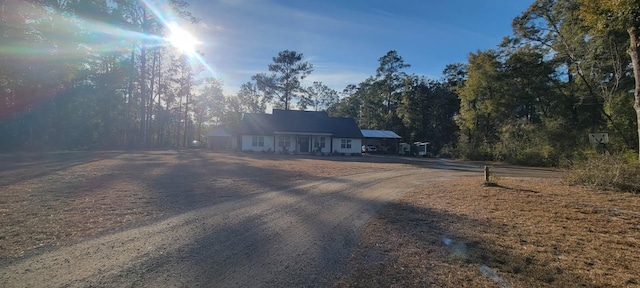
x: 344, y: 39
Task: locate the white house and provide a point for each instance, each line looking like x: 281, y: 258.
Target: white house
x: 300, y: 132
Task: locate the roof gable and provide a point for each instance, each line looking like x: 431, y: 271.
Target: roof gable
x: 345, y: 128
x: 257, y: 124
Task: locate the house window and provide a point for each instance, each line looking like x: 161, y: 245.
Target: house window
x: 284, y: 141
x: 319, y: 142
x: 345, y: 143
x: 257, y: 141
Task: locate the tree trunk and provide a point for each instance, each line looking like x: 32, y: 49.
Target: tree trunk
x: 286, y: 99
x: 186, y: 121
x: 179, y: 125
x: 152, y: 95
x: 143, y: 84
x: 143, y: 94
x: 186, y: 107
x: 129, y: 99
x: 634, y: 52
x: 159, y: 126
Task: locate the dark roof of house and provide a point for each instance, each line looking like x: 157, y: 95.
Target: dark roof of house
x: 291, y: 121
x: 345, y: 128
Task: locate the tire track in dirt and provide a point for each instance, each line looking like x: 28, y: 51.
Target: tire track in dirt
x: 301, y: 236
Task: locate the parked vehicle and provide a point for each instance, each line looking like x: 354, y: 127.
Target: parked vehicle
x: 369, y: 148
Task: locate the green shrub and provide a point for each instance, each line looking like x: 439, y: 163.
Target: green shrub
x: 448, y: 151
x: 524, y: 143
x: 607, y: 171
x: 630, y: 155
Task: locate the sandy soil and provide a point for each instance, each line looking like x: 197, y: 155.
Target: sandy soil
x: 526, y: 232
x: 190, y: 219
x: 60, y: 198
x: 199, y: 219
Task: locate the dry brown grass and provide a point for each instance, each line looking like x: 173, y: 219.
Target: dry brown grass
x: 59, y: 198
x: 527, y: 232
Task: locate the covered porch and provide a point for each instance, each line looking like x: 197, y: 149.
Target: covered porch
x: 302, y: 143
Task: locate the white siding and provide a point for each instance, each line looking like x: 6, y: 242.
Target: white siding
x: 327, y: 143
x: 271, y: 143
x: 247, y: 143
x: 356, y: 145
x: 291, y: 141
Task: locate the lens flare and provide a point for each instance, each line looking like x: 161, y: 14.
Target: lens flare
x: 182, y: 40
x: 64, y: 40
x: 77, y: 37
x: 178, y: 38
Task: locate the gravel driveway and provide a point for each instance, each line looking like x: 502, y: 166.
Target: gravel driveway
x: 300, y: 236
x: 295, y: 235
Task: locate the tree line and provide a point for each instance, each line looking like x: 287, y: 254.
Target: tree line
x: 570, y: 68
x: 98, y: 74
x: 91, y: 74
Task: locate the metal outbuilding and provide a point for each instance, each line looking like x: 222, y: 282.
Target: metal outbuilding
x: 386, y: 141
x: 220, y: 139
x: 380, y: 134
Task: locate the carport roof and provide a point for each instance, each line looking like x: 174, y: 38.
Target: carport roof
x: 386, y: 134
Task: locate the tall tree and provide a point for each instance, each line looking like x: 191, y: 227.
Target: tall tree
x: 427, y: 110
x: 284, y: 84
x: 372, y: 105
x: 593, y: 69
x: 66, y: 84
x: 484, y: 106
x: 391, y: 78
x: 390, y: 73
x: 319, y: 97
x: 251, y: 98
x: 606, y: 17
x: 349, y: 106
x: 455, y: 75
x: 209, y: 106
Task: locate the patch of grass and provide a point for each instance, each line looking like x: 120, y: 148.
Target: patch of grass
x: 607, y: 171
x: 492, y: 182
x: 456, y: 233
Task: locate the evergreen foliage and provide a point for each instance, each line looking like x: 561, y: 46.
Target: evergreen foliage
x: 570, y: 68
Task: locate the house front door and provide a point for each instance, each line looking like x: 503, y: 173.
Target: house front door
x: 303, y: 144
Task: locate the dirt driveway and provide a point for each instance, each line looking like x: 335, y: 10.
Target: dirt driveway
x: 194, y: 219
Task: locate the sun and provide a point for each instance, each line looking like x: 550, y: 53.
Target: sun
x: 182, y: 40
